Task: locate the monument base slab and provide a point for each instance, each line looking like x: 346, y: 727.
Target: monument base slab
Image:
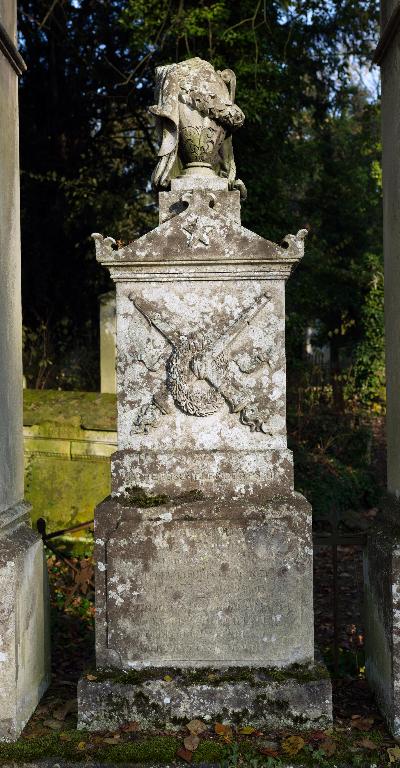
x: 382, y: 613
x: 298, y: 697
x: 24, y: 623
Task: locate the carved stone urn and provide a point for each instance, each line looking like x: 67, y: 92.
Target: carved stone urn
x: 200, y: 141
x: 196, y: 116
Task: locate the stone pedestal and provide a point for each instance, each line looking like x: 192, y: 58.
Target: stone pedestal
x: 203, y: 550
x: 24, y: 658
x: 382, y: 572
x: 204, y: 583
x: 24, y: 622
x: 382, y: 612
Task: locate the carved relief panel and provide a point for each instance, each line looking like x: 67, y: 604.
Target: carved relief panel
x: 190, y: 353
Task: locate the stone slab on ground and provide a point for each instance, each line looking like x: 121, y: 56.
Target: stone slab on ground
x: 382, y: 613
x: 24, y: 626
x: 298, y: 698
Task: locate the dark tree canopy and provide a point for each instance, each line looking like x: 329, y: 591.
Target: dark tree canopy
x: 308, y: 154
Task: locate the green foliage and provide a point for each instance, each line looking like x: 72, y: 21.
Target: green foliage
x: 88, y: 147
x: 332, y: 457
x: 369, y: 362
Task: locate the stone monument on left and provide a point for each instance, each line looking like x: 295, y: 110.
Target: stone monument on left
x: 24, y: 649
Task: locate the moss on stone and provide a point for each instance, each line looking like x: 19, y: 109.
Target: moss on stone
x: 91, y: 410
x: 213, y: 677
x: 138, y: 497
x: 152, y: 749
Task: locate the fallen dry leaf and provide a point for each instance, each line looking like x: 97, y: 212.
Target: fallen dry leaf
x: 196, y: 727
x: 167, y: 678
x: 65, y: 736
x: 268, y: 752
x: 328, y: 747
x: 393, y: 754
x: 247, y: 729
x: 91, y: 677
x: 191, y: 742
x: 112, y: 739
x: 318, y: 736
x: 292, y: 745
x: 366, y: 744
x: 131, y: 727
x: 81, y: 746
x: 185, y: 754
x: 224, y: 731
x: 362, y: 723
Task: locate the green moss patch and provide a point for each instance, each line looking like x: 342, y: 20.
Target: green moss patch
x: 209, y: 676
x: 138, y: 497
x: 163, y: 748
x: 90, y: 410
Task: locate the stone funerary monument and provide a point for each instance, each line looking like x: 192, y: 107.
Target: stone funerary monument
x: 204, y: 551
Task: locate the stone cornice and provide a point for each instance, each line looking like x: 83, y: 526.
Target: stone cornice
x: 13, y: 517
x: 233, y: 270
x: 387, y: 36
x: 10, y: 51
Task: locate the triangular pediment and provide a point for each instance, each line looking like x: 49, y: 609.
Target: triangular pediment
x: 199, y: 234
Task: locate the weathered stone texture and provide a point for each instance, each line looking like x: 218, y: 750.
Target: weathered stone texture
x: 201, y: 384
x: 24, y: 625
x: 382, y: 564
x: 213, y: 568
x: 23, y: 656
x: 390, y: 71
x: 261, y: 701
x: 11, y: 451
x: 382, y: 614
x: 107, y: 342
x: 204, y: 583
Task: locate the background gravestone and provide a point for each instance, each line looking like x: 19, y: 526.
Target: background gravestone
x: 203, y: 550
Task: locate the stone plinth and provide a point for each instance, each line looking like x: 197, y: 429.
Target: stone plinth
x: 382, y: 560
x: 204, y: 583
x: 203, y: 550
x: 24, y: 622
x: 24, y: 661
x: 382, y: 613
x: 299, y: 698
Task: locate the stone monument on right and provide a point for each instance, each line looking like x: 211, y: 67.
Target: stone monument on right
x: 204, y: 604
x: 382, y: 554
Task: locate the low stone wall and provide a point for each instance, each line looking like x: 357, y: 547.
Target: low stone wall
x: 68, y: 440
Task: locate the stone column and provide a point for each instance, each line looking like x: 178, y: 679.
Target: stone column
x: 107, y: 342
x: 24, y: 669
x: 382, y: 560
x: 203, y: 550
